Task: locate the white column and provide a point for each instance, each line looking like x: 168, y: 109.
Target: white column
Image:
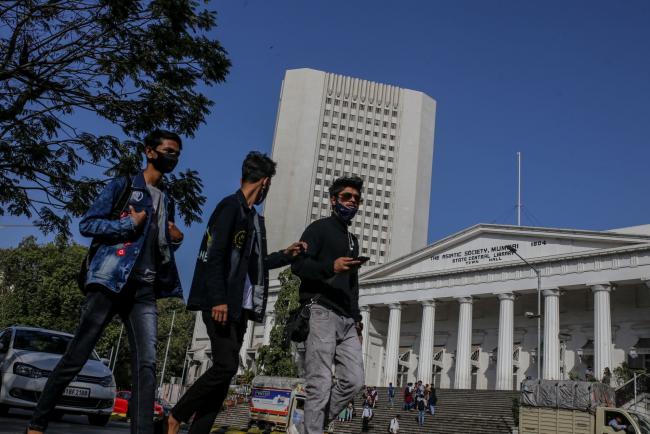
x: 248, y: 337
x: 504, y: 349
x: 463, y: 376
x: 425, y: 359
x: 551, y: 343
x: 602, y: 330
x: 392, y: 343
x: 269, y: 321
x: 365, y: 333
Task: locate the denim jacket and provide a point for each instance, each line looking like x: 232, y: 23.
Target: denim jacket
x: 119, y: 243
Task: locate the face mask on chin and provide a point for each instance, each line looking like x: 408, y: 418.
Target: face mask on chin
x: 262, y: 195
x: 345, y: 213
x: 165, y: 163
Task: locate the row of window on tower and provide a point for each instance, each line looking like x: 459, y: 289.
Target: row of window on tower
x: 354, y: 105
x: 360, y: 120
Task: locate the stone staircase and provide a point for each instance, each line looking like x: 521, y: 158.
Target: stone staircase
x: 233, y: 416
x: 458, y: 411
x: 641, y: 405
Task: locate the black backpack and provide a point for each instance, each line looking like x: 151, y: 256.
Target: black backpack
x: 118, y: 207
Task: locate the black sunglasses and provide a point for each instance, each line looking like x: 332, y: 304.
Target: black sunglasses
x: 168, y: 152
x: 348, y: 196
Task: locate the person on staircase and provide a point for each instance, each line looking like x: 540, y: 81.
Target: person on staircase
x: 366, y: 415
x: 422, y: 409
x: 393, y: 428
x: 391, y: 394
x: 432, y: 400
x: 408, y: 398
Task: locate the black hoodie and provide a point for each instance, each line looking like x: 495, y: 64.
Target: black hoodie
x: 328, y: 239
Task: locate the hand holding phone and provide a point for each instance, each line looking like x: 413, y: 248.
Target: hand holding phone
x: 362, y: 259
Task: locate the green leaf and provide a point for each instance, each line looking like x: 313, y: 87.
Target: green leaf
x: 275, y: 359
x: 137, y: 64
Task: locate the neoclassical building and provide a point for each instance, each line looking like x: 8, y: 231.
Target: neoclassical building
x: 461, y: 312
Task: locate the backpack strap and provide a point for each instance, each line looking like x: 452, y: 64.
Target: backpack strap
x: 123, y: 200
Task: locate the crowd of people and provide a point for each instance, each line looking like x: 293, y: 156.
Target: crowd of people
x: 131, y: 264
x: 419, y: 397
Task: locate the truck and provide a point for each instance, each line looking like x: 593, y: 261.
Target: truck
x: 277, y: 403
x: 574, y: 407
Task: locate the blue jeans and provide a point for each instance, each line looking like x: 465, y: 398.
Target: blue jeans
x: 421, y: 417
x: 136, y: 305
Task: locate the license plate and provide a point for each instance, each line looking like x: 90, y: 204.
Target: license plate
x: 77, y: 392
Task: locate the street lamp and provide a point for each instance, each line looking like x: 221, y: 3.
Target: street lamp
x: 539, y: 309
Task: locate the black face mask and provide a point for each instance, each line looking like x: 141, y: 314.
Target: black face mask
x: 165, y: 162
x: 260, y: 199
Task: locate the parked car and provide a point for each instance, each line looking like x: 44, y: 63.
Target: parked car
x: 121, y: 407
x: 27, y: 357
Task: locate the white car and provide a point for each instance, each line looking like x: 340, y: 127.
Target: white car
x: 28, y: 356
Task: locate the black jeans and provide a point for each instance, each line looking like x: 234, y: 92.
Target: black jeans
x: 136, y: 305
x: 205, y: 398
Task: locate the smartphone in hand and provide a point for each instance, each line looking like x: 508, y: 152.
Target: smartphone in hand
x: 362, y: 259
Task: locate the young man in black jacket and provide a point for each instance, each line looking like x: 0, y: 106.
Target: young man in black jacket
x: 230, y: 286
x: 329, y: 274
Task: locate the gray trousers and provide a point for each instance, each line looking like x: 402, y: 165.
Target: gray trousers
x: 332, y: 341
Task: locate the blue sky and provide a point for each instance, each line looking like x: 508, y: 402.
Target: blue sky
x: 565, y: 83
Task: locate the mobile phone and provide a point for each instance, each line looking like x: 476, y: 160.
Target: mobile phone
x: 362, y: 259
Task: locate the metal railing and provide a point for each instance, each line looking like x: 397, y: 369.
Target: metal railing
x: 638, y: 385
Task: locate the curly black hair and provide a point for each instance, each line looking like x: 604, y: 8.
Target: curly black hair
x: 347, y: 181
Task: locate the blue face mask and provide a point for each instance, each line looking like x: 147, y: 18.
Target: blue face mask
x: 346, y: 214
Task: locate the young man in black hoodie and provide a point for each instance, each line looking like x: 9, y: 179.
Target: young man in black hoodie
x: 230, y: 286
x: 329, y: 276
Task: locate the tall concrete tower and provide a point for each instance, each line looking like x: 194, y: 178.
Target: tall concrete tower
x: 328, y: 126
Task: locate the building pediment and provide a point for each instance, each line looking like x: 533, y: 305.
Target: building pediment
x: 486, y: 245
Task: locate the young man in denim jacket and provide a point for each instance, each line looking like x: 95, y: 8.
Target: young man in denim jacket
x: 133, y: 266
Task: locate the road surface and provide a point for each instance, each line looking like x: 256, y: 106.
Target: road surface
x: 16, y: 422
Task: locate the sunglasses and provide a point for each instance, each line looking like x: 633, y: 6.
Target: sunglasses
x: 168, y: 151
x: 348, y: 196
